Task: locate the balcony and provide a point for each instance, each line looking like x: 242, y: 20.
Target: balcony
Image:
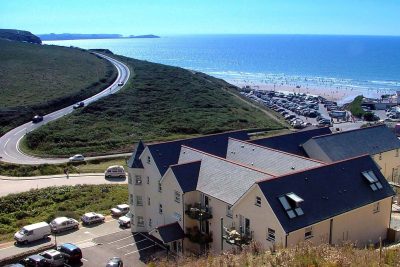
x: 198, y: 212
x: 238, y: 238
x: 196, y: 236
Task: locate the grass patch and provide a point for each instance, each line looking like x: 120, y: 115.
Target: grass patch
x: 38, y: 205
x: 38, y: 79
x: 355, y: 107
x: 161, y: 103
x: 91, y: 166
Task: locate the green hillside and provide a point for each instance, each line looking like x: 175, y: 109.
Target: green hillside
x: 38, y: 79
x: 160, y: 103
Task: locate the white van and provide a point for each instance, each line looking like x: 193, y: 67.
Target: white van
x: 120, y: 210
x: 115, y: 172
x: 32, y: 232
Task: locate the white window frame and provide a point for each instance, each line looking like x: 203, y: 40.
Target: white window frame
x: 177, y: 197
x: 308, y: 233
x: 258, y: 201
x: 271, y: 234
x: 139, y: 201
x: 140, y: 221
x: 229, y: 212
x: 138, y: 180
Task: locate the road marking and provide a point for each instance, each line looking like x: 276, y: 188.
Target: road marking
x: 138, y: 250
x: 83, y: 241
x: 19, y: 131
x: 9, y: 155
x: 132, y: 244
x: 122, y: 239
x: 8, y: 140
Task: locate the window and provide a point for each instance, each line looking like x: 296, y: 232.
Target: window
x: 129, y: 178
x: 139, y: 201
x: 148, y: 160
x: 140, y: 221
x: 148, y: 201
x: 148, y: 180
x: 150, y: 222
x: 291, y: 203
x: 229, y: 212
x: 159, y: 187
x: 271, y: 235
x: 177, y: 197
x: 138, y: 180
x: 258, y: 201
x: 376, y: 207
x: 372, y: 180
x: 160, y: 209
x: 131, y: 199
x: 308, y: 233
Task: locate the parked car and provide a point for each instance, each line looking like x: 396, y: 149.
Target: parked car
x: 115, y: 262
x: 120, y: 210
x: 323, y: 123
x: 35, y: 261
x: 115, y: 172
x: 70, y: 252
x: 77, y: 157
x: 53, y: 257
x: 32, y: 232
x: 61, y: 224
x: 92, y: 217
x: 125, y: 221
x: 79, y: 105
x: 37, y: 119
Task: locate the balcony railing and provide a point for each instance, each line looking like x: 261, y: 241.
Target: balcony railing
x: 238, y: 238
x: 198, y: 212
x: 196, y: 236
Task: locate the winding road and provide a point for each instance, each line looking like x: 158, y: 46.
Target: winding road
x: 9, y: 143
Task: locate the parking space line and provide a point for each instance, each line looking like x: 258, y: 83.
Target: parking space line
x: 115, y: 241
x: 138, y: 250
x: 132, y: 244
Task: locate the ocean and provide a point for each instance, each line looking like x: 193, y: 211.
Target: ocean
x: 368, y: 64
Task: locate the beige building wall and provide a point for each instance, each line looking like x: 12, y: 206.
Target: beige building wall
x: 261, y: 218
x: 320, y: 234
x: 389, y: 162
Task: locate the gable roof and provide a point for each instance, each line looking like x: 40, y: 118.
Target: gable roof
x: 344, y: 145
x: 167, y: 153
x: 292, y: 142
x: 170, y: 232
x: 134, y: 161
x: 187, y: 175
x: 268, y: 159
x: 327, y: 191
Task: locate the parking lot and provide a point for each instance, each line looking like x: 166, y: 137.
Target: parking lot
x: 135, y: 249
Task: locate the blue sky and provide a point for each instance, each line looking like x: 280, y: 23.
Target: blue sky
x: 168, y: 17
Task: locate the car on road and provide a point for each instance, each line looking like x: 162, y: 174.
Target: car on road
x: 115, y: 262
x: 79, y: 105
x: 77, y: 157
x: 115, y: 172
x: 37, y: 119
x: 120, y: 210
x: 70, y: 252
x: 61, y: 224
x: 125, y: 221
x: 92, y: 217
x: 53, y: 257
x: 33, y: 232
x: 35, y: 261
x: 120, y: 83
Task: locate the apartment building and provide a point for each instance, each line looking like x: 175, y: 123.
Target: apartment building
x: 221, y: 191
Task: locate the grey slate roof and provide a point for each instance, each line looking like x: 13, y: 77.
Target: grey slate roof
x: 327, y: 191
x: 187, y: 175
x: 167, y: 153
x: 134, y: 161
x: 292, y: 142
x: 344, y: 145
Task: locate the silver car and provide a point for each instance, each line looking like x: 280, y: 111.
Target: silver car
x: 77, y: 157
x: 53, y: 257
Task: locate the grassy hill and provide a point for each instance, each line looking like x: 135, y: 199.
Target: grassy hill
x: 38, y: 79
x: 160, y: 103
x: 17, y: 35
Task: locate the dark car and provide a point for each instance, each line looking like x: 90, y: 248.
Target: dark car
x: 35, y: 261
x: 70, y: 252
x: 115, y: 262
x: 79, y: 105
x: 37, y: 119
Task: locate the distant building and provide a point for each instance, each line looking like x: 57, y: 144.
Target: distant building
x: 220, y: 191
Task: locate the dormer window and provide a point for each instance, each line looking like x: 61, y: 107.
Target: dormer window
x: 372, y: 180
x: 291, y: 203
